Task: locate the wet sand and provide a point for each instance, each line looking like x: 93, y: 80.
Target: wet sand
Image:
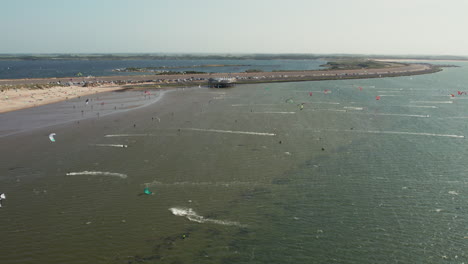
x: 91, y: 105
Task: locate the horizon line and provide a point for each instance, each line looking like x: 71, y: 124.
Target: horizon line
x: 229, y: 54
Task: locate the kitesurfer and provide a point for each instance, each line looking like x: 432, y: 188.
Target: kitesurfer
x: 2, y: 197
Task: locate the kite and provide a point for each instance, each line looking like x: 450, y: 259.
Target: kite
x: 147, y: 191
x: 377, y: 97
x: 51, y: 137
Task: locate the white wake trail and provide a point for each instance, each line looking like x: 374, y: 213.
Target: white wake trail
x: 332, y: 103
x: 421, y: 106
x: 273, y: 112
x: 432, y: 102
x: 111, y: 145
x: 252, y: 104
x: 129, y: 135
x: 193, y: 216
x: 406, y: 115
x: 392, y: 132
x: 230, y: 131
x: 105, y: 173
x: 353, y: 108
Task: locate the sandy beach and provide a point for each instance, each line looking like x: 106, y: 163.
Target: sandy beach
x: 15, y: 99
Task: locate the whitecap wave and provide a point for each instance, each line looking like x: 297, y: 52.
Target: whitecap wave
x: 105, y: 173
x: 191, y: 215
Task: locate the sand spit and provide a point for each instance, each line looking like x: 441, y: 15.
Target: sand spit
x: 12, y: 98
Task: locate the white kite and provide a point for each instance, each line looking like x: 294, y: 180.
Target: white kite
x: 51, y: 137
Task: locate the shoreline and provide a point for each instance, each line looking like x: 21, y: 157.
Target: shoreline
x: 75, y: 110
x: 15, y: 94
x: 23, y: 98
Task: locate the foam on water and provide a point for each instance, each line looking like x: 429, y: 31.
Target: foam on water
x: 191, y: 215
x: 105, y: 173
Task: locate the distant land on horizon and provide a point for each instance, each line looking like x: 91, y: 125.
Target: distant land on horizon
x: 214, y: 56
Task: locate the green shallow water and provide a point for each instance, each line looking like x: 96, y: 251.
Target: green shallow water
x: 333, y: 191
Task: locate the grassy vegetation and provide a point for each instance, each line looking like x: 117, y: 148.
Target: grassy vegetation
x: 178, y: 72
x: 152, y: 69
x: 253, y: 70
x: 358, y: 64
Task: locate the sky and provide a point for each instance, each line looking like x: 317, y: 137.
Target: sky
x: 390, y: 27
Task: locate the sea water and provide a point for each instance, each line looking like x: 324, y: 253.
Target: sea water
x: 48, y: 68
x: 347, y: 179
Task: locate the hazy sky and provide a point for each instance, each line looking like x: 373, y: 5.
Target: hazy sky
x: 241, y: 26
